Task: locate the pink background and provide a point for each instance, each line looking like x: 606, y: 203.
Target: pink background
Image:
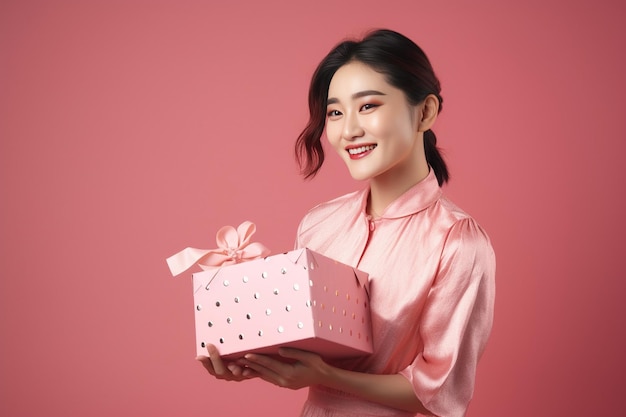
x: 132, y: 129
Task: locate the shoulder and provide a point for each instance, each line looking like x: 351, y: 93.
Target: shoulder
x: 467, y: 244
x: 321, y: 224
x: 343, y: 207
x: 460, y: 221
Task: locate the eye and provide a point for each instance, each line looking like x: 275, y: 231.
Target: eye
x: 368, y: 106
x: 333, y: 113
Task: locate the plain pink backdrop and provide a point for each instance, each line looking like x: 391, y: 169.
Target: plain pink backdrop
x: 132, y: 129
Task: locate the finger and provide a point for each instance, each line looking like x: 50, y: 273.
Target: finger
x: 235, y: 369
x: 216, y: 360
x: 253, y: 369
x: 206, y: 362
x: 265, y: 362
x: 242, y: 368
x: 297, y: 354
x: 249, y: 373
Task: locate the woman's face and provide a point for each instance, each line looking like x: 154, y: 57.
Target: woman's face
x: 372, y: 126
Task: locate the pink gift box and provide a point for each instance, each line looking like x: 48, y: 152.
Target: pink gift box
x: 298, y: 299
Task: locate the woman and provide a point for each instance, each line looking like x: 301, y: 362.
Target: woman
x: 431, y: 266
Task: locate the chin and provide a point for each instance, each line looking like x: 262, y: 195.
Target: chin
x: 360, y: 176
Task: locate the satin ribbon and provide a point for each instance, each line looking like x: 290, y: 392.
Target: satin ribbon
x: 234, y: 247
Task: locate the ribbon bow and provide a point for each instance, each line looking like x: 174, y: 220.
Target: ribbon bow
x: 234, y: 247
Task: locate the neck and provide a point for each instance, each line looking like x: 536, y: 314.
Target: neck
x: 385, y: 189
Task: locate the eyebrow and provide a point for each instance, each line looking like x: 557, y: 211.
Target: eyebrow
x: 359, y: 94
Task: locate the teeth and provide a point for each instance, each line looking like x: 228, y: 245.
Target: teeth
x: 361, y: 149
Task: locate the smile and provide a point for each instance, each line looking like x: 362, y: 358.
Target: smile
x: 361, y: 150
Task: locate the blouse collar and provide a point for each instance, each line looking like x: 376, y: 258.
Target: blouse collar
x: 415, y: 199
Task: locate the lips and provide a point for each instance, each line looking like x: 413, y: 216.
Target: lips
x: 360, y: 151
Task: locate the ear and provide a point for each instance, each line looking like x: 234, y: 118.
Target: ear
x: 429, y: 109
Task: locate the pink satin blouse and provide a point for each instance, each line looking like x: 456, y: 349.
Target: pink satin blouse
x: 432, y: 271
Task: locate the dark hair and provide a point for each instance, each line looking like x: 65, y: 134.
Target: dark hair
x: 404, y: 65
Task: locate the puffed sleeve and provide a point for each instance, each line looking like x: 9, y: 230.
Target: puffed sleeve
x: 456, y: 322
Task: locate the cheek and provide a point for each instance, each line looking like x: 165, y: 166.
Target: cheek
x: 394, y: 128
x: 383, y: 125
x: 374, y: 125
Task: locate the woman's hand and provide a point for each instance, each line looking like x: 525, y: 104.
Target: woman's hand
x: 229, y: 371
x: 303, y: 369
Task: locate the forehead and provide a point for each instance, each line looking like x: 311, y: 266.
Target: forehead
x: 355, y: 77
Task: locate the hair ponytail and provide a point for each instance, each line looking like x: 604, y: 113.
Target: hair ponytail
x: 434, y: 158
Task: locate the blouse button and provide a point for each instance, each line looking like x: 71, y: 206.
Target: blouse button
x: 372, y: 226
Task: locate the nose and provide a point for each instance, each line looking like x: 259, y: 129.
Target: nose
x: 352, y: 128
